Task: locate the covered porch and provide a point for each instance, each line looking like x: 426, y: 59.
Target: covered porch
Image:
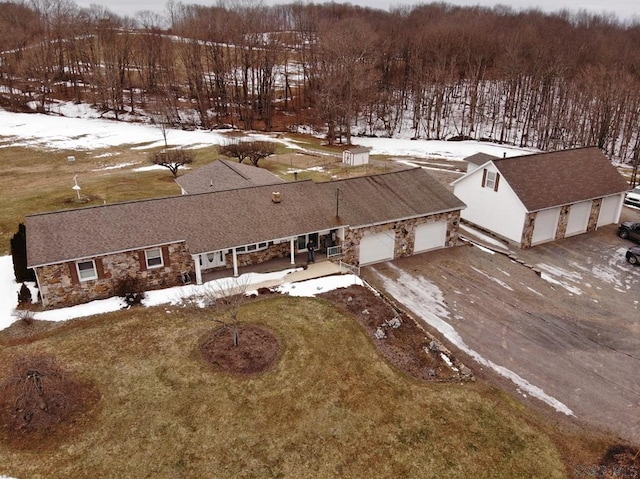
x: 273, y: 265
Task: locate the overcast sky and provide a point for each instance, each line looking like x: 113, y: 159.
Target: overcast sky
x: 625, y: 10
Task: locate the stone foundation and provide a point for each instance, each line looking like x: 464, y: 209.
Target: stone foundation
x: 59, y: 289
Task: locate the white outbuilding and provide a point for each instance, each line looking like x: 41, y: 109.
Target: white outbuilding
x: 356, y: 156
x: 533, y: 199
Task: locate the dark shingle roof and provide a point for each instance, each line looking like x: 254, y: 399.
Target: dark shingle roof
x: 225, y: 175
x: 213, y: 221
x: 545, y: 180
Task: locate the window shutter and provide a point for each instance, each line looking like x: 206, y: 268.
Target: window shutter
x: 165, y: 256
x: 495, y: 186
x: 143, y: 260
x: 73, y: 271
x: 99, y: 268
x: 484, y: 177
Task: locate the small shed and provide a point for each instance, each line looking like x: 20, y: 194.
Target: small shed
x: 356, y: 156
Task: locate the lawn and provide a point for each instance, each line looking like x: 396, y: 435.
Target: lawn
x: 331, y: 407
x: 36, y: 180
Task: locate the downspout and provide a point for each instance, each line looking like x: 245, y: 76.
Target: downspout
x: 293, y: 251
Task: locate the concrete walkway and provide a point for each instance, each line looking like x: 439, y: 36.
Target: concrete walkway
x: 312, y: 271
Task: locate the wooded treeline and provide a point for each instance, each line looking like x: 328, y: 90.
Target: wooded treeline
x: 432, y: 71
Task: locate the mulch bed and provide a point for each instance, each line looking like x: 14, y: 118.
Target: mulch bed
x: 40, y: 402
x: 408, y: 346
x: 257, y: 351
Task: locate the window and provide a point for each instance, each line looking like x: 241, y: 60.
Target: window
x: 253, y: 247
x: 490, y: 179
x: 87, y: 270
x: 154, y: 258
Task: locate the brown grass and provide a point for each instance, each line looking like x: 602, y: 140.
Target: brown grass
x: 331, y: 407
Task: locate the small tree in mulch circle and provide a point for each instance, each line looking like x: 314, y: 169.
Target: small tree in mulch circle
x: 229, y: 296
x: 242, y: 349
x: 38, y: 395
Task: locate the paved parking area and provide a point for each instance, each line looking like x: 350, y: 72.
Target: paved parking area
x: 566, y: 332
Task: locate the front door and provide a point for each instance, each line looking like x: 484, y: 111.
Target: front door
x: 304, y: 239
x: 212, y: 260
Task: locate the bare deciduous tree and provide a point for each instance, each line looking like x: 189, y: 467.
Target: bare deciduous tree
x: 173, y: 159
x: 229, y: 295
x: 254, y: 151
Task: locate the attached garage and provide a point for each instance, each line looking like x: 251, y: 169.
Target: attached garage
x: 578, y: 218
x: 545, y: 226
x: 430, y: 236
x: 377, y: 247
x: 610, y: 210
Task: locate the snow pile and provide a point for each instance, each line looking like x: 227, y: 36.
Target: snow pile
x: 247, y: 283
x: 312, y: 287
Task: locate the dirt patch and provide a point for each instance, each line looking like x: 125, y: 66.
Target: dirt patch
x: 257, y: 351
x: 398, y: 337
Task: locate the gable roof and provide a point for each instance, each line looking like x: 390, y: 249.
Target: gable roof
x: 358, y: 149
x: 224, y: 219
x: 480, y: 158
x: 225, y: 175
x: 545, y: 180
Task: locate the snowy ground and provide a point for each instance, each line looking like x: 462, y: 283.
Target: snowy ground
x: 82, y: 129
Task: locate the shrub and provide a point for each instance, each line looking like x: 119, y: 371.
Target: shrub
x: 37, y: 395
x: 131, y: 290
x: 27, y: 316
x: 24, y: 296
x: 19, y: 255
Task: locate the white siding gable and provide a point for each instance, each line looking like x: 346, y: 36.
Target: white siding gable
x: 499, y: 211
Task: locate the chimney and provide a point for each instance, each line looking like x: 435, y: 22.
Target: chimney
x: 504, y: 154
x: 275, y: 197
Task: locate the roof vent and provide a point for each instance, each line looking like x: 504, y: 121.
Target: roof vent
x: 275, y: 197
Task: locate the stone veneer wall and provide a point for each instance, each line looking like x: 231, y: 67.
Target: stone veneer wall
x: 404, y: 233
x: 58, y: 288
x: 563, y: 221
x: 595, y: 213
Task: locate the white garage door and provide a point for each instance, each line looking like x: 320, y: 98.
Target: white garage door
x: 610, y: 210
x: 578, y: 218
x: 377, y: 247
x: 545, y: 227
x: 430, y: 236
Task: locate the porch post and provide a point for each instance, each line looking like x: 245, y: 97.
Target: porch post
x: 293, y: 251
x: 196, y: 261
x: 235, y: 262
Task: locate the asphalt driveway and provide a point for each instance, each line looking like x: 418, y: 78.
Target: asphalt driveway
x: 562, y: 323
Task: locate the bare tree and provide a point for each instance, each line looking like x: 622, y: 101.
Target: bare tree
x: 173, y: 159
x: 254, y: 151
x: 229, y: 295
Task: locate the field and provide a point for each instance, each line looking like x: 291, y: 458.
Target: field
x: 38, y: 180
